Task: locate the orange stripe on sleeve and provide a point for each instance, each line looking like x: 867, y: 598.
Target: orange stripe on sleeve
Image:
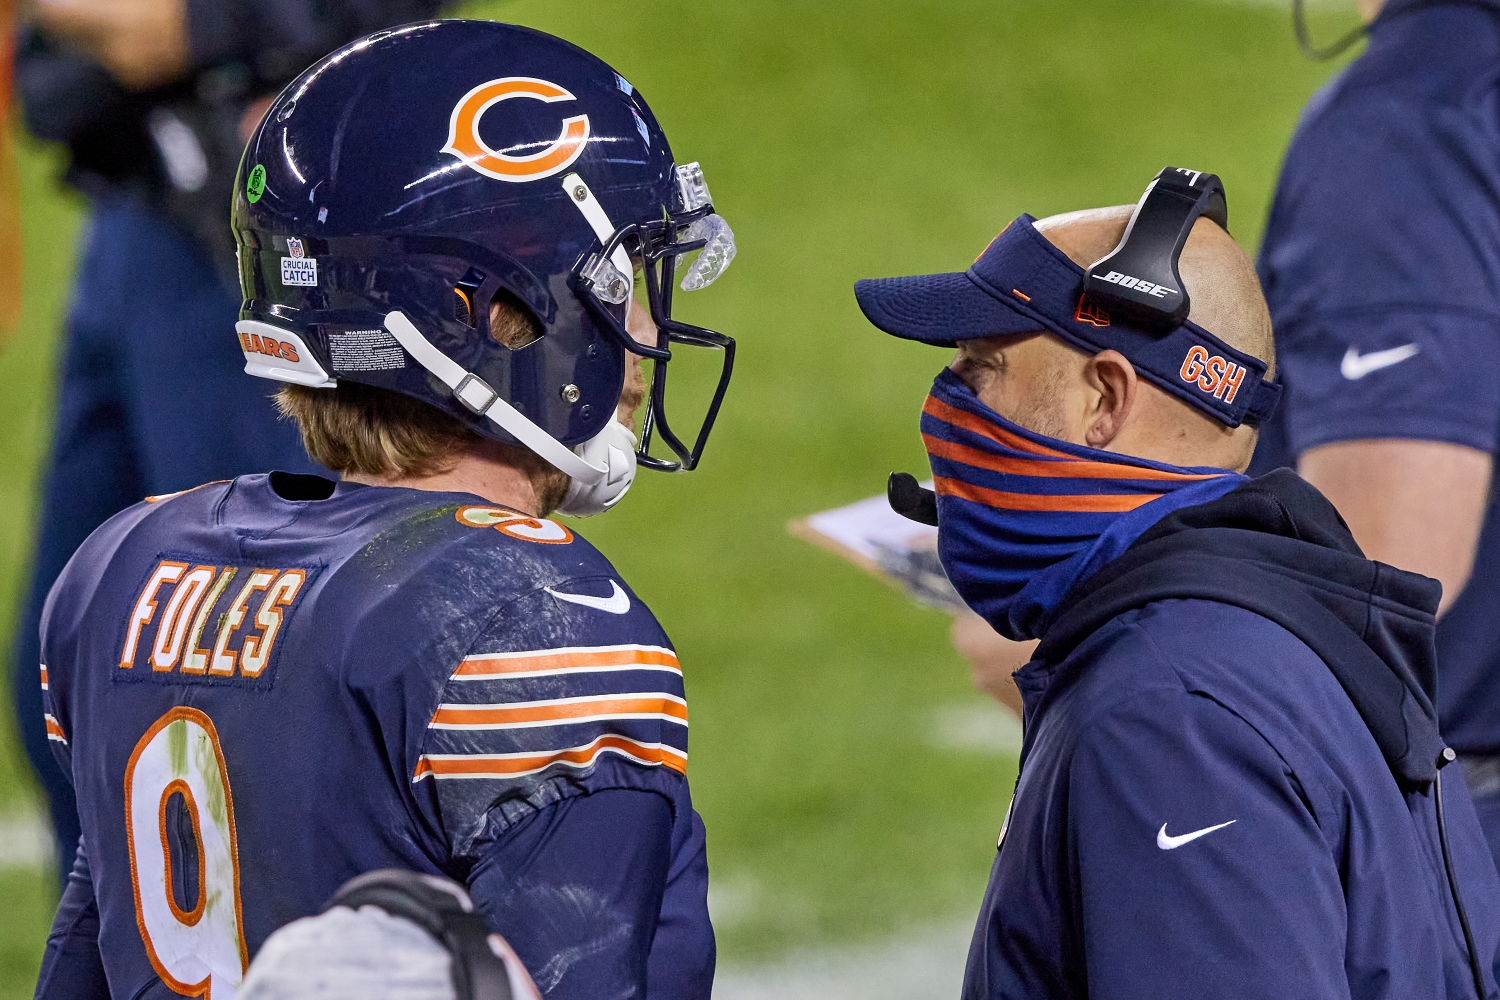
x: 520, y: 764
x: 1081, y: 504
x: 54, y: 730
x: 561, y: 660
x: 563, y: 710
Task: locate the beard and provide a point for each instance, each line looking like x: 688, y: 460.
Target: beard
x: 633, y: 393
x: 1044, y: 412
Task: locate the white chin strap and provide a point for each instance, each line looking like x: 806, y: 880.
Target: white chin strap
x: 602, y: 468
x: 598, y: 219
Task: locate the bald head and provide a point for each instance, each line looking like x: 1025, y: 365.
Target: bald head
x: 1055, y: 389
x: 1216, y: 273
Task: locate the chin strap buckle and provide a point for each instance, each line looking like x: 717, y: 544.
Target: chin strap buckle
x: 475, y: 393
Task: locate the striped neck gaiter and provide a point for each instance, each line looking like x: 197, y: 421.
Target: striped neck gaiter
x: 1022, y: 518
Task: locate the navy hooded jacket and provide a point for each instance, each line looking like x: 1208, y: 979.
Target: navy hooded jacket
x: 1230, y: 777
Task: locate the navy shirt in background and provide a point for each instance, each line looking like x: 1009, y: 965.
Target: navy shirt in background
x: 1381, y: 265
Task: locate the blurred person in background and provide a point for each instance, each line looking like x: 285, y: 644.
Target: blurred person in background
x: 153, y: 100
x: 1381, y: 266
x: 992, y: 658
x: 10, y: 194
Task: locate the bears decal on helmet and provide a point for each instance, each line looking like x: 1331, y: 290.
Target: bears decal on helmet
x: 465, y: 142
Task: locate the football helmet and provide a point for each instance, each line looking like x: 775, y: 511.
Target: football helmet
x: 408, y: 180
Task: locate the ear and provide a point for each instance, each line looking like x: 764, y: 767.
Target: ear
x: 1114, y: 382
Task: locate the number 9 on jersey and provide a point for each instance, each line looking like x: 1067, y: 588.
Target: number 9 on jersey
x: 177, y: 801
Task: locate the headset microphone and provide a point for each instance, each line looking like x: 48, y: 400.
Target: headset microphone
x: 911, y: 499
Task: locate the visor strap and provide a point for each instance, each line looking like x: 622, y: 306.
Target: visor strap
x: 1263, y: 404
x: 593, y: 213
x: 477, y: 396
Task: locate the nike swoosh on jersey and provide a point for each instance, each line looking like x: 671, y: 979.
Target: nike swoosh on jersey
x: 616, y: 604
x: 1356, y: 366
x: 1167, y: 843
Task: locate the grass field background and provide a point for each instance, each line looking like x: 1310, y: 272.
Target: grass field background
x: 841, y: 141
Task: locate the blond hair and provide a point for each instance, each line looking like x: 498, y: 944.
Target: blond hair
x: 354, y: 428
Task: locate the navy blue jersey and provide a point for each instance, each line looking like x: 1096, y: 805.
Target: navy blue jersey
x: 258, y: 698
x: 1381, y: 265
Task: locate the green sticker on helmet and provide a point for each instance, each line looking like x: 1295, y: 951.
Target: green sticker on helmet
x: 256, y: 185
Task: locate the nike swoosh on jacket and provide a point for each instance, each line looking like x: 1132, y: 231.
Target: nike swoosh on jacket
x: 1240, y: 660
x: 1356, y: 366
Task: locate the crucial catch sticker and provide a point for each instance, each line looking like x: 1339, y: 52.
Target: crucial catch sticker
x: 299, y: 271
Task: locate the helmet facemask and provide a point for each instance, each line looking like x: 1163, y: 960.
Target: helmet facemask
x: 663, y: 248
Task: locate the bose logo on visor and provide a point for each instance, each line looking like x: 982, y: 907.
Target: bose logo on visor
x: 1139, y: 284
x: 1212, y: 373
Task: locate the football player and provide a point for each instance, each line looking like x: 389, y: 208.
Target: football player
x: 457, y: 241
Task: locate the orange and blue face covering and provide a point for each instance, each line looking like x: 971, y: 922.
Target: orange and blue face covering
x: 1023, y: 518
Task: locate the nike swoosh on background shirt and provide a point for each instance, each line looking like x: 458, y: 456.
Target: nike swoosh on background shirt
x: 1356, y: 366
x: 616, y: 604
x: 1167, y: 843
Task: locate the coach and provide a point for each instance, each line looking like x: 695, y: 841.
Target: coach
x: 1381, y: 265
x: 1231, y: 779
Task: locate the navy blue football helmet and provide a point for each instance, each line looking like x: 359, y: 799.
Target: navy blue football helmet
x: 408, y: 180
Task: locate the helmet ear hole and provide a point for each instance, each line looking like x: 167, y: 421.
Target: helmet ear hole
x: 463, y: 297
x: 512, y: 325
x: 463, y: 307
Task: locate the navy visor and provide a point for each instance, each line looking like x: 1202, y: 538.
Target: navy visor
x: 1024, y: 284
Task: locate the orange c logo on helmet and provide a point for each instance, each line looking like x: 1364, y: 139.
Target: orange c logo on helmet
x: 464, y: 141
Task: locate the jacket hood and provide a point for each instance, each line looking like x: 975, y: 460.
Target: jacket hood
x: 1278, y: 548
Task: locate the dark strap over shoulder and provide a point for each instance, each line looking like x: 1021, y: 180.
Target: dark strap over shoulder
x: 443, y: 910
